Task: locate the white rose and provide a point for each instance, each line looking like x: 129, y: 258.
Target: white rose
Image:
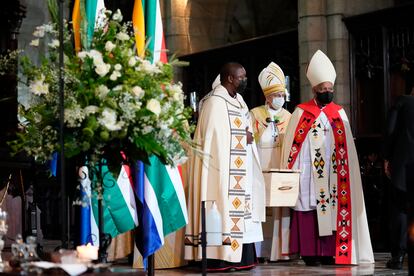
x: 34, y: 42
x: 108, y: 120
x: 96, y: 56
x: 179, y: 97
x: 148, y: 67
x: 117, y: 16
x: 102, y: 91
x: 39, y: 32
x: 154, y: 106
x: 102, y: 69
x: 147, y: 129
x: 132, y: 61
x: 138, y: 91
x: 114, y: 76
x: 91, y: 109
x: 118, y: 67
x: 48, y: 28
x: 109, y: 46
x: 176, y: 87
x: 82, y: 55
x: 117, y: 88
x: 98, y: 62
x: 177, y: 92
x: 54, y: 44
x: 122, y: 36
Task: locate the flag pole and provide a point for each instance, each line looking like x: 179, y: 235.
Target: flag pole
x: 151, y: 265
x: 64, y: 225
x: 104, y: 238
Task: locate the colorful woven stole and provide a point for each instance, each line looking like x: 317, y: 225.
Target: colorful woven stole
x: 237, y: 178
x: 321, y: 171
x: 344, y: 214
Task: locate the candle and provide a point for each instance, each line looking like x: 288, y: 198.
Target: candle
x: 87, y: 252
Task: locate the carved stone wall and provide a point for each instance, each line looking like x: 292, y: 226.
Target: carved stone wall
x: 197, y: 25
x: 321, y: 27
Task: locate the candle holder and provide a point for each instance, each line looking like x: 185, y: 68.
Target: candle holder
x: 19, y: 251
x: 3, y: 231
x: 31, y: 245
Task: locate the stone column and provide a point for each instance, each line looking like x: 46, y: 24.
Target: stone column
x: 196, y: 25
x: 312, y: 31
x: 338, y: 51
x: 175, y: 15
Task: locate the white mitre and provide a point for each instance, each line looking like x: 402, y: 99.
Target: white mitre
x: 216, y: 82
x: 272, y: 79
x: 320, y: 69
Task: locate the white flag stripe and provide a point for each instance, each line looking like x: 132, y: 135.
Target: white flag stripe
x: 94, y: 228
x: 152, y: 203
x: 175, y: 177
x: 124, y: 184
x: 158, y: 34
x: 99, y: 15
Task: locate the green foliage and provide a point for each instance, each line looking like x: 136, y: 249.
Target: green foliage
x: 113, y: 100
x: 53, y: 10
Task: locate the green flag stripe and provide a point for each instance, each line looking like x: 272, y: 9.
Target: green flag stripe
x: 84, y: 25
x: 90, y: 15
x: 168, y: 202
x: 150, y: 9
x: 117, y: 218
x: 109, y: 225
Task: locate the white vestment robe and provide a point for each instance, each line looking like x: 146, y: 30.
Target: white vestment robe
x: 225, y: 170
x: 307, y: 199
x: 361, y: 242
x: 277, y: 225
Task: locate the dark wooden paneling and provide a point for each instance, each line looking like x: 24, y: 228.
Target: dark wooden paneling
x: 382, y: 65
x: 254, y: 55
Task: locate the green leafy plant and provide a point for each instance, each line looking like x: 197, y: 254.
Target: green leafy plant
x: 113, y: 100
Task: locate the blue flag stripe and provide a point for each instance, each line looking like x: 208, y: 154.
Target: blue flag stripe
x: 146, y: 236
x: 86, y: 231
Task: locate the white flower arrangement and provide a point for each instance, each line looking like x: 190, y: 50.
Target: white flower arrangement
x: 114, y: 100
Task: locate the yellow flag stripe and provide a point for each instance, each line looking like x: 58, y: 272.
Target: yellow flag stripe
x: 76, y: 19
x: 138, y: 23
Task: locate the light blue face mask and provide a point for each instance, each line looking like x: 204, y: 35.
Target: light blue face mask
x: 278, y: 102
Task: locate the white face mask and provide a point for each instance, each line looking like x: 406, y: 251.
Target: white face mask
x: 278, y: 102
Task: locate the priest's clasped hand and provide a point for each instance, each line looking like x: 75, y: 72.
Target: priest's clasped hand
x: 249, y: 136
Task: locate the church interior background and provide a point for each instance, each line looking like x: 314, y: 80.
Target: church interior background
x: 371, y: 44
